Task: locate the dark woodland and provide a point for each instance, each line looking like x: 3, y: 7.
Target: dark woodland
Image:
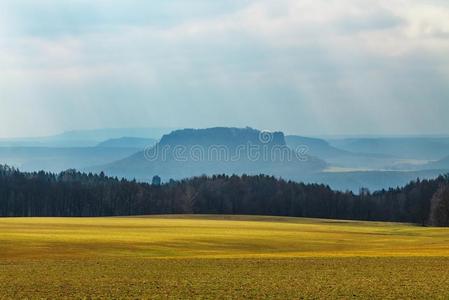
x: 75, y: 194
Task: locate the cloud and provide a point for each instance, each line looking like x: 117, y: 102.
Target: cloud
x: 309, y: 66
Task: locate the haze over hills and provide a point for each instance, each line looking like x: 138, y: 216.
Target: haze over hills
x: 187, y: 156
x: 386, y: 162
x: 439, y: 164
x: 128, y: 142
x: 317, y: 147
x: 423, y: 148
x: 339, y: 158
x: 85, y: 138
x: 60, y: 159
x: 376, y: 171
x: 192, y: 152
x: 76, y: 149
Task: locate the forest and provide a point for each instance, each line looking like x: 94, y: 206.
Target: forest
x: 75, y: 194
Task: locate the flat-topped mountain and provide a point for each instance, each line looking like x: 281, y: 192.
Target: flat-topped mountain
x: 194, y: 152
x: 223, y: 136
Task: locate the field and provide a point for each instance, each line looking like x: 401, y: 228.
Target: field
x: 220, y: 257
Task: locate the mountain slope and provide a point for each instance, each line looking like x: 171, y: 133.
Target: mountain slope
x: 341, y: 158
x: 316, y: 147
x: 193, y: 152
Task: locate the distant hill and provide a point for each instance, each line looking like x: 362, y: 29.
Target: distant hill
x: 341, y: 158
x: 59, y: 159
x: 316, y: 147
x: 191, y: 152
x: 85, y: 138
x: 113, y: 133
x: 128, y: 142
x: 430, y: 148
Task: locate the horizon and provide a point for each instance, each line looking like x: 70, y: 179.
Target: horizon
x: 169, y: 130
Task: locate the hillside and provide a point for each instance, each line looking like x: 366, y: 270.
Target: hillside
x: 192, y: 152
x: 317, y: 147
x: 342, y: 158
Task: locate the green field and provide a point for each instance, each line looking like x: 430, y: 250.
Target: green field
x: 220, y: 257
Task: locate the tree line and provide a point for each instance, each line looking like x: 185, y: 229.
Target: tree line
x: 75, y: 194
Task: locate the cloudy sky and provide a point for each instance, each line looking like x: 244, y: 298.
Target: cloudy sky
x: 302, y: 66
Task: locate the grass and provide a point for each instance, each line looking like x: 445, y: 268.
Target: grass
x: 220, y: 257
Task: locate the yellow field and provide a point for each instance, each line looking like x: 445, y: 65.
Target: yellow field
x: 220, y: 257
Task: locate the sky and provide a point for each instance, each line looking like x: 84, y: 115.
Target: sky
x: 311, y: 67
